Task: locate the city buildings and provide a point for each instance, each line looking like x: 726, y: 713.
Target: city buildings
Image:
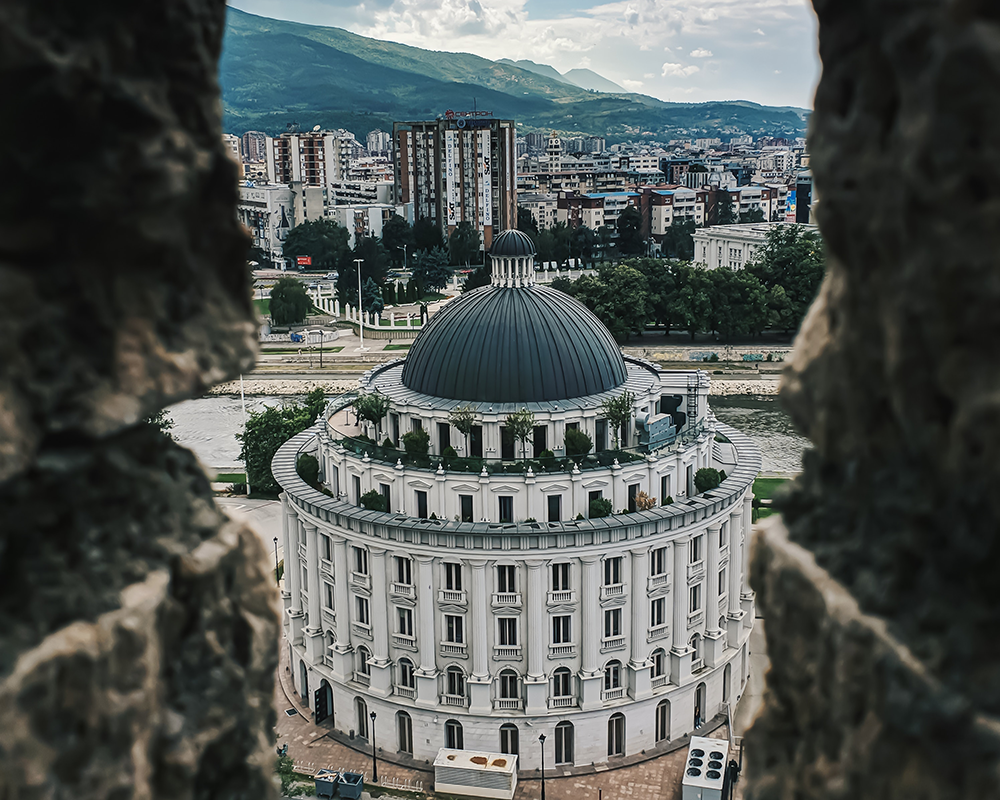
x: 267, y: 211
x: 313, y: 158
x: 458, y: 168
x: 254, y: 145
x: 732, y: 245
x: 491, y: 603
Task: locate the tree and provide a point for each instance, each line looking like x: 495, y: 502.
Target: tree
x: 431, y: 269
x: 577, y: 443
x: 374, y: 265
x: 480, y: 276
x: 617, y: 296
x: 605, y: 237
x: 526, y: 221
x: 643, y: 502
x: 599, y: 507
x: 618, y: 411
x: 464, y: 244
x: 161, y: 421
x: 374, y: 500
x: 521, y: 425
x: 397, y: 233
x: 738, y: 303
x: 416, y: 443
x: 290, y: 302
x: 463, y: 419
x: 307, y: 466
x: 725, y: 211
x: 582, y: 243
x: 706, y: 478
x: 792, y: 259
x: 267, y: 430
x: 679, y: 240
x: 629, y: 227
x: 389, y: 293
x: 372, y: 407
x: 323, y: 240
x: 371, y: 297
x: 751, y: 216
x: 426, y: 235
x: 562, y: 238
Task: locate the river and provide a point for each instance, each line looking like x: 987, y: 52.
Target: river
x: 209, y: 426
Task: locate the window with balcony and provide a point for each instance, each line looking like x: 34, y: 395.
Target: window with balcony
x: 327, y: 547
x: 328, y: 596
x: 404, y: 571
x: 406, y: 677
x: 360, y: 560
x: 455, y: 682
x: 560, y: 577
x: 506, y: 578
x: 361, y: 606
x: 612, y: 571
x: 454, y: 630
x: 363, y: 666
x: 612, y: 675
x: 659, y: 659
x: 658, y: 561
x: 562, y: 683
x: 658, y: 613
x: 612, y: 623
x: 694, y: 603
x: 509, y: 685
x: 561, y: 629
x: 507, y: 631
x: 404, y: 621
x: 453, y: 577
x: 697, y: 549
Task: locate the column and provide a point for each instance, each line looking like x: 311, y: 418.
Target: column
x: 293, y: 567
x: 286, y: 548
x: 715, y: 643
x: 381, y: 683
x: 477, y: 629
x: 746, y: 593
x: 734, y: 614
x: 535, y: 639
x: 590, y: 601
x: 314, y: 630
x: 426, y: 675
x: 342, y: 650
x: 639, y: 600
x: 680, y: 652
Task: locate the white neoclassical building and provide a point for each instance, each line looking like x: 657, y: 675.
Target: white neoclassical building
x: 487, y: 606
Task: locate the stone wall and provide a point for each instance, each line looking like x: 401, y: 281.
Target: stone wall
x: 886, y: 670
x: 138, y: 626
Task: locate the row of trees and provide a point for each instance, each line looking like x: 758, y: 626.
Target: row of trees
x: 772, y: 292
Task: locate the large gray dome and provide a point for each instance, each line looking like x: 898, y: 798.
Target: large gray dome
x: 512, y: 243
x: 514, y: 345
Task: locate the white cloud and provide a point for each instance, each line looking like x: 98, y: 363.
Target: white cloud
x: 678, y: 70
x: 632, y: 86
x: 647, y: 75
x: 644, y: 47
x: 759, y: 32
x: 701, y: 52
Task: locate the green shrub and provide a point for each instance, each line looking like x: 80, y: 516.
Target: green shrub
x: 388, y: 444
x: 669, y: 501
x: 416, y: 443
x: 722, y: 475
x: 577, y: 443
x: 374, y: 501
x: 449, y: 453
x: 531, y: 519
x: 599, y: 507
x: 308, y: 468
x: 546, y: 457
x: 713, y: 357
x: 706, y: 478
x: 579, y: 516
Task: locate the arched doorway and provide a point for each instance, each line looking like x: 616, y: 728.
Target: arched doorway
x: 616, y: 735
x: 727, y: 677
x: 454, y: 738
x: 304, y: 682
x: 323, y: 703
x: 662, y: 721
x: 508, y: 739
x: 404, y: 729
x: 361, y: 710
x: 564, y: 743
x: 699, y: 706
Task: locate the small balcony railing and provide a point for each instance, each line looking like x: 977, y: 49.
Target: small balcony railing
x: 504, y: 651
x: 613, y: 694
x: 568, y: 701
x: 453, y: 648
x: 507, y: 599
x: 362, y: 678
x: 659, y: 681
x: 402, y: 590
x: 507, y: 703
x: 405, y: 691
x: 559, y: 598
x: 451, y: 596
x: 454, y: 700
x: 612, y: 591
x: 562, y: 650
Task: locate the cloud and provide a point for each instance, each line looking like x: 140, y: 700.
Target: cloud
x: 632, y: 86
x: 759, y: 32
x: 644, y: 47
x: 647, y: 75
x: 678, y: 70
x: 701, y: 52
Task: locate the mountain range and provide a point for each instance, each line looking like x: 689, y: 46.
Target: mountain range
x: 274, y: 73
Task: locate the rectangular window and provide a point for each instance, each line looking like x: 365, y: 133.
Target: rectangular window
x: 506, y: 508
x: 506, y: 444
x: 404, y: 571
x: 612, y: 623
x: 612, y: 571
x: 384, y: 491
x: 404, y: 617
x: 327, y: 548
x: 421, y: 504
x: 360, y: 560
x: 539, y: 440
x: 357, y: 489
x: 664, y: 490
x: 723, y: 588
x: 305, y: 579
x: 507, y: 631
x: 697, y: 545
x: 658, y: 613
x: 600, y: 435
x: 572, y: 426
x: 561, y: 630
x: 724, y: 535
x: 328, y: 595
x: 695, y: 599
x: 560, y: 577
x: 476, y: 441
x: 453, y: 577
x: 633, y: 490
x: 658, y: 562
x: 361, y: 604
x: 465, y: 501
x: 506, y: 576
x: 555, y: 507
x: 416, y: 424
x: 444, y: 436
x: 453, y: 629
x: 690, y: 480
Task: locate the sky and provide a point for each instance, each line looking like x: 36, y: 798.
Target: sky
x: 681, y: 50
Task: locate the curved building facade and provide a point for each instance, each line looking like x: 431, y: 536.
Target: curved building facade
x: 487, y: 605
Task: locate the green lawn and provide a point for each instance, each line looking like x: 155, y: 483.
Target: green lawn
x: 765, y: 488
x: 400, y: 323
x: 231, y: 477
x: 263, y: 306
x: 306, y: 349
x: 397, y: 347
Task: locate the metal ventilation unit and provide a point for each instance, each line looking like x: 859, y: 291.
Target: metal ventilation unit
x: 705, y: 770
x: 474, y: 774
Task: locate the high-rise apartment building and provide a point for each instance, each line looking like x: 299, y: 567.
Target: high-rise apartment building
x: 378, y: 142
x: 315, y: 158
x: 461, y: 167
x: 254, y: 147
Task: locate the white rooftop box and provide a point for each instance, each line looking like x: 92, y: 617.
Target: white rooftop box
x: 705, y: 769
x: 476, y: 774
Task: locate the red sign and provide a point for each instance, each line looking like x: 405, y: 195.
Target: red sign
x: 449, y: 114
x: 304, y: 261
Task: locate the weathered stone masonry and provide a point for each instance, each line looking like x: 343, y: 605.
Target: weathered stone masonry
x: 138, y: 626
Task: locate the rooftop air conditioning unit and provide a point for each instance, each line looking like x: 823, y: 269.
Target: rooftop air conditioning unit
x: 705, y: 769
x: 475, y: 774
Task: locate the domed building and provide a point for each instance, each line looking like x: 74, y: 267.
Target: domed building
x: 519, y: 582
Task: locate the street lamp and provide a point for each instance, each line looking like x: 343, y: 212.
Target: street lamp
x: 541, y: 741
x: 275, y: 559
x: 361, y: 319
x: 403, y: 248
x: 374, y: 758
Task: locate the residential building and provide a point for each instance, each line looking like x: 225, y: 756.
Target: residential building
x: 542, y: 205
x: 267, y: 211
x: 314, y: 158
x: 254, y: 147
x: 379, y: 142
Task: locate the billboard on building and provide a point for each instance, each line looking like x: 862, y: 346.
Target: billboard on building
x: 451, y: 183
x: 790, y: 207
x: 485, y: 177
x: 304, y: 261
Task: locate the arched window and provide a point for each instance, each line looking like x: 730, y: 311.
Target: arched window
x: 727, y: 676
x: 454, y: 738
x: 304, y: 681
x: 454, y: 682
x: 363, y: 666
x: 663, y: 721
x: 659, y: 659
x: 696, y: 646
x: 564, y: 743
x: 616, y: 735
x: 509, y: 685
x: 406, y: 673
x: 612, y: 675
x: 508, y: 739
x: 699, y: 705
x: 562, y: 682
x: 404, y: 729
x: 361, y: 708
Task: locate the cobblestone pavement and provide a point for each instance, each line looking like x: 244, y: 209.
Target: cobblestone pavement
x: 311, y: 748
